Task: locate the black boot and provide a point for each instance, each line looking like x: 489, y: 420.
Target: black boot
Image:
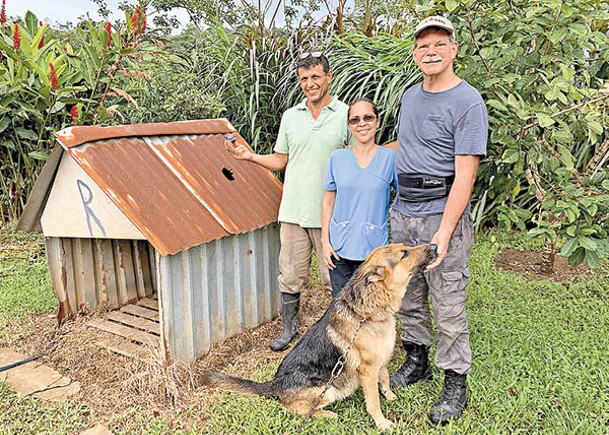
x: 289, y: 310
x: 453, y: 400
x: 415, y: 368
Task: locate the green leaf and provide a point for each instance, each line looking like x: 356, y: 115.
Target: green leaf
x: 38, y: 155
x: 511, y: 156
x: 558, y: 35
x: 26, y: 134
x: 4, y: 123
x: 596, y: 127
x: 553, y: 93
x: 569, y: 247
x: 588, y: 243
x: 544, y: 120
x: 565, y: 156
x: 451, y: 5
x: 567, y: 72
x: 579, y: 29
x: 536, y: 232
x: 593, y: 259
x: 577, y: 257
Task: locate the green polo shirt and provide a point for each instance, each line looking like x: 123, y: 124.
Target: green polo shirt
x: 308, y: 143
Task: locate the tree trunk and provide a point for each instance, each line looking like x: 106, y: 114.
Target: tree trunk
x: 547, y: 257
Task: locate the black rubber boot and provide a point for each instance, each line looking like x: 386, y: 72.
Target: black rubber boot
x: 453, y: 400
x: 416, y: 367
x: 289, y: 310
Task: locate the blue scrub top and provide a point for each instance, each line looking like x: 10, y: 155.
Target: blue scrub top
x: 359, y: 220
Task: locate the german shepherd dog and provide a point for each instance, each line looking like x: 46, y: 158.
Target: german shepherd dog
x: 368, y: 302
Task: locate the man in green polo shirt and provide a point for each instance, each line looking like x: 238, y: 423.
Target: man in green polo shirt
x: 308, y: 134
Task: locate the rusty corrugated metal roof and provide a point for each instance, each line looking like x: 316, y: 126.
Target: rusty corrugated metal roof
x: 175, y: 181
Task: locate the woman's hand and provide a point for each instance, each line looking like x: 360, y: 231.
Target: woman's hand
x: 329, y: 252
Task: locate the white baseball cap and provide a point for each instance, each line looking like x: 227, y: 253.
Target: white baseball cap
x: 434, y: 21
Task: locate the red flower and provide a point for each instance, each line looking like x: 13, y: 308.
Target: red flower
x: 135, y: 19
x: 16, y: 38
x: 109, y: 32
x: 3, y: 13
x: 41, y: 43
x: 74, y: 113
x: 53, y: 76
x: 143, y: 23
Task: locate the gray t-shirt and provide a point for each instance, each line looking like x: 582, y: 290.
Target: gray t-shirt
x: 433, y: 127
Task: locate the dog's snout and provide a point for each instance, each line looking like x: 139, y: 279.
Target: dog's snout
x: 432, y: 252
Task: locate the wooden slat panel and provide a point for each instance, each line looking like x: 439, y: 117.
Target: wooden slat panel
x: 130, y: 278
x: 125, y: 331
x: 149, y: 303
x: 78, y: 272
x: 120, y: 273
x: 129, y: 349
x: 136, y: 322
x: 57, y: 268
x: 152, y: 266
x: 66, y: 251
x: 106, y: 278
x: 144, y: 262
x: 141, y: 311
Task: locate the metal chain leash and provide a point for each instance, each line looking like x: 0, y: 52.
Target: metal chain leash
x: 336, y: 372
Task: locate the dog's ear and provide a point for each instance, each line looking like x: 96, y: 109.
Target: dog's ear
x: 377, y: 274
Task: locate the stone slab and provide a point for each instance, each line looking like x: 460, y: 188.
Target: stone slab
x: 35, y: 379
x: 98, y: 429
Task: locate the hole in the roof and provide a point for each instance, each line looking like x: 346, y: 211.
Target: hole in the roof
x: 228, y: 173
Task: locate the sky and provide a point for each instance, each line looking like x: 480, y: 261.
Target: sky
x: 61, y: 11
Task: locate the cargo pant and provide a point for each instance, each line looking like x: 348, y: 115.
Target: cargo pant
x: 295, y: 252
x: 445, y: 284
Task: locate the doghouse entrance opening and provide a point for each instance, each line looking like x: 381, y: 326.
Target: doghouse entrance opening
x: 134, y: 330
x: 116, y: 274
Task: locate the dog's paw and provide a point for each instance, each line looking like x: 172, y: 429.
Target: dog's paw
x: 384, y: 424
x: 322, y: 413
x: 389, y: 395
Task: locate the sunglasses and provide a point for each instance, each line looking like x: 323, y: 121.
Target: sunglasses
x: 354, y: 120
x: 306, y: 54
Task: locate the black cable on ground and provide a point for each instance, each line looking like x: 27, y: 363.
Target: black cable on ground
x: 49, y: 347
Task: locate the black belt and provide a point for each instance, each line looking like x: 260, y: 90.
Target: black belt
x: 423, y: 188
x: 425, y: 181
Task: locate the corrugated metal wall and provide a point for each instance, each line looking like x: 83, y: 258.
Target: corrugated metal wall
x: 89, y: 272
x: 212, y: 291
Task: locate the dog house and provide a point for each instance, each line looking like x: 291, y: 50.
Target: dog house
x: 160, y: 213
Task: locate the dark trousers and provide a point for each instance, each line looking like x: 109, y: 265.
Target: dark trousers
x: 342, y: 273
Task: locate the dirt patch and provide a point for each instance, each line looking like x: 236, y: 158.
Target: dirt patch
x: 528, y: 264
x: 113, y: 385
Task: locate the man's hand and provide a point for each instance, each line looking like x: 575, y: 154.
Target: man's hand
x: 442, y: 240
x: 240, y: 152
x: 329, y: 252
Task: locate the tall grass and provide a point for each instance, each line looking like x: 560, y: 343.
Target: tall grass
x: 379, y: 67
x: 25, y: 287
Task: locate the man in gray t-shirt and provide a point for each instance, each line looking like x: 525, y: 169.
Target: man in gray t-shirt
x: 442, y: 133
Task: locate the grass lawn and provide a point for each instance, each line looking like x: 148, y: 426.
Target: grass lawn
x: 540, y: 360
x: 25, y: 290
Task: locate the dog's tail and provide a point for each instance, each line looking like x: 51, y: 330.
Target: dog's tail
x: 239, y: 385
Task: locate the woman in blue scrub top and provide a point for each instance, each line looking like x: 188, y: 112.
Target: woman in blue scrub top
x: 357, y: 191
